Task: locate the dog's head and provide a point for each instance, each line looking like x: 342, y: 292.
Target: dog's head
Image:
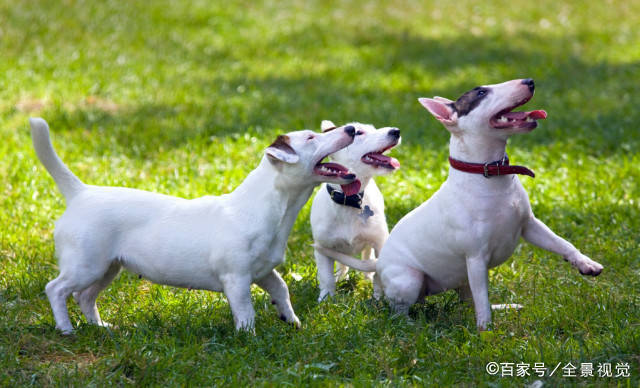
x: 365, y: 156
x: 487, y: 110
x: 298, y: 155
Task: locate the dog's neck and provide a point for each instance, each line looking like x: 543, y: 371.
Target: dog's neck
x: 266, y: 195
x: 477, y: 149
x: 474, y: 149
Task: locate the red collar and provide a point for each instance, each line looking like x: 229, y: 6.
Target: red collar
x: 499, y: 167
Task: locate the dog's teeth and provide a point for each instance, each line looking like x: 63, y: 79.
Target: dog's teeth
x: 529, y: 119
x: 503, y: 119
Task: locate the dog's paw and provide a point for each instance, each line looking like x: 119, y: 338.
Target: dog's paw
x: 105, y: 324
x: 67, y: 331
x: 293, y: 321
x: 248, y: 329
x: 324, y: 295
x: 296, y: 323
x: 586, y: 266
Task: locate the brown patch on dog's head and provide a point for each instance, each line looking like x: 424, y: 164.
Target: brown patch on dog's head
x: 327, y: 125
x: 281, y: 150
x: 282, y: 142
x: 471, y: 99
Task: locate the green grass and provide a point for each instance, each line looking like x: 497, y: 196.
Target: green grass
x: 182, y: 97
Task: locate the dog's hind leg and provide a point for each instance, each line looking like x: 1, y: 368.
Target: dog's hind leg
x: 341, y: 271
x: 79, y: 269
x: 368, y: 254
x: 377, y: 287
x: 326, y: 281
x: 87, y: 298
x: 377, y: 281
x: 277, y: 288
x: 58, y: 290
x: 402, y: 286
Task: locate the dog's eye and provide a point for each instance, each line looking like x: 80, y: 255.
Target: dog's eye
x: 359, y: 133
x: 311, y: 137
x: 482, y: 92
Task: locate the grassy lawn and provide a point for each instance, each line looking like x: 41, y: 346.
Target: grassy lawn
x: 182, y: 97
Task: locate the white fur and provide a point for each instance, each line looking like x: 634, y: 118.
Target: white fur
x: 471, y: 223
x: 223, y: 243
x: 341, y: 228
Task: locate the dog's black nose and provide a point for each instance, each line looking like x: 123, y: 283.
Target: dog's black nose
x: 350, y: 130
x: 394, y: 133
x: 529, y: 82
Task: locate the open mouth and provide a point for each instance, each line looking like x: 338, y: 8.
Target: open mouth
x: 517, y: 120
x: 336, y: 170
x: 377, y: 159
x: 333, y: 170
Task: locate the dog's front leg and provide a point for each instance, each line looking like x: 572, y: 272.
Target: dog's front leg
x: 237, y: 289
x: 277, y: 288
x: 539, y: 234
x: 478, y: 275
x: 326, y: 281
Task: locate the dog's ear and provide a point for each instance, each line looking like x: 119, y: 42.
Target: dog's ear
x: 440, y: 109
x: 443, y: 100
x: 327, y: 125
x: 280, y: 150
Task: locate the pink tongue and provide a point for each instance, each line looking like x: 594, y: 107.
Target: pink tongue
x: 352, y: 188
x: 534, y: 114
x: 515, y: 115
x: 384, y: 159
x: 538, y: 114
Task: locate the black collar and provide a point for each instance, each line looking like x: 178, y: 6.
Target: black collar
x: 346, y: 200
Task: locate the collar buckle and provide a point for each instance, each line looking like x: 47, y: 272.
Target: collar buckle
x: 497, y: 163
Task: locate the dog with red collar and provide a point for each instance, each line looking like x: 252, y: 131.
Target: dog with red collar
x: 475, y: 220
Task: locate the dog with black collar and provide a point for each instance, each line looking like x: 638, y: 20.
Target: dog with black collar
x: 350, y: 218
x: 475, y: 220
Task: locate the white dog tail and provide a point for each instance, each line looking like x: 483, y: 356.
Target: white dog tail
x: 360, y: 265
x: 68, y: 184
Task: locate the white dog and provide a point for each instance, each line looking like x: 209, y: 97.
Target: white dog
x: 221, y: 243
x: 350, y: 219
x: 475, y: 220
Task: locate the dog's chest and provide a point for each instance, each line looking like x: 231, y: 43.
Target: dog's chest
x: 501, y: 228
x: 352, y: 234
